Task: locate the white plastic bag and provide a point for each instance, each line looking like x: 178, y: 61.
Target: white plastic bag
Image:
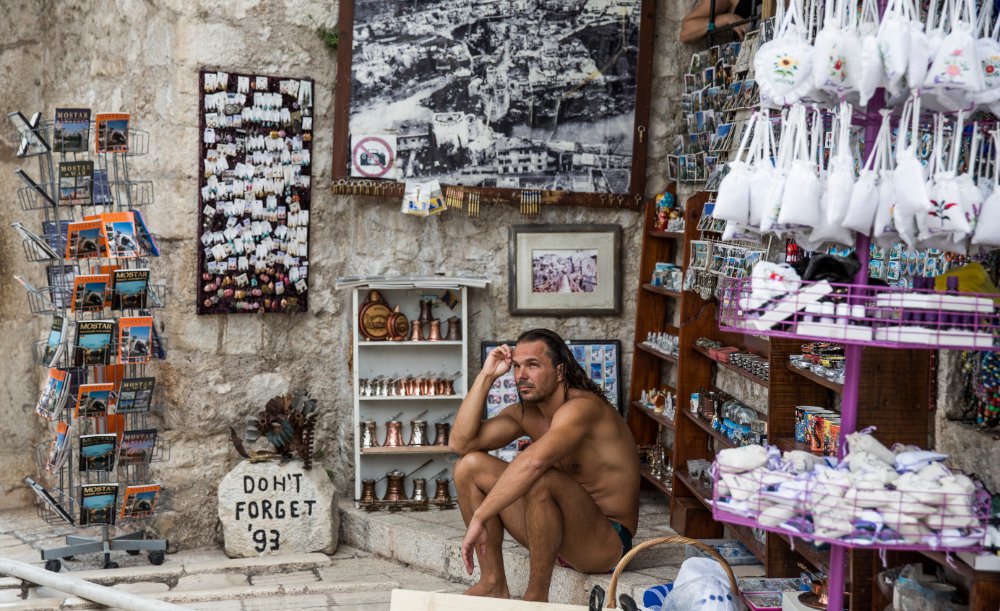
x: 702, y: 585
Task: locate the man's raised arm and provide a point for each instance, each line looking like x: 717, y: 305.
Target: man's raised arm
x: 470, y: 433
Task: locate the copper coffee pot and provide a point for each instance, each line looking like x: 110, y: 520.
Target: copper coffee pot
x: 394, y: 488
x: 441, y: 432
x: 393, y: 434
x: 418, y: 430
x: 454, y: 330
x: 367, y: 492
x: 435, y: 334
x: 368, y: 439
x: 419, y: 491
x: 442, y: 493
x: 425, y: 310
x: 416, y: 331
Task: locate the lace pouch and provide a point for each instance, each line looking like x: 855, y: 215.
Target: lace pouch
x: 732, y: 203
x: 783, y: 66
x: 865, y: 196
x: 987, y: 232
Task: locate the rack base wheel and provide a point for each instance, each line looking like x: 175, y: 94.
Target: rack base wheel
x: 156, y: 557
x: 110, y: 565
x: 132, y: 552
x: 53, y: 565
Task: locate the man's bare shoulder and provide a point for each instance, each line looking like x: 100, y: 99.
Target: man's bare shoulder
x: 582, y: 403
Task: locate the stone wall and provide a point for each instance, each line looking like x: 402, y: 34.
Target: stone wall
x: 143, y: 58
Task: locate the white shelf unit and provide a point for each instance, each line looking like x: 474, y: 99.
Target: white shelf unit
x: 401, y: 359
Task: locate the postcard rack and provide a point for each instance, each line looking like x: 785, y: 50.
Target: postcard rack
x: 108, y: 490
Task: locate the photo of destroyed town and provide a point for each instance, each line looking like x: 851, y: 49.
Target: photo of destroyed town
x: 521, y: 94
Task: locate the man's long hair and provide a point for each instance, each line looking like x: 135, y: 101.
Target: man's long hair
x: 573, y: 374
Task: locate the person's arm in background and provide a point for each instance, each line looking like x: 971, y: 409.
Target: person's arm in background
x: 694, y: 27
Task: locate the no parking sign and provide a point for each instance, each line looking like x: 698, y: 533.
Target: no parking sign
x: 373, y: 156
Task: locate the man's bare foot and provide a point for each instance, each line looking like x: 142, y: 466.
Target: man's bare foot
x: 489, y: 591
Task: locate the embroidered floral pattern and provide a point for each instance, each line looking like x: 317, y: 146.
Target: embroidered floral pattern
x: 954, y: 67
x: 786, y: 66
x: 940, y: 210
x: 837, y: 68
x: 991, y: 67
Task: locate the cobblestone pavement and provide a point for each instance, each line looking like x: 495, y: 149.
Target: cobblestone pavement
x: 350, y: 580
x: 379, y: 552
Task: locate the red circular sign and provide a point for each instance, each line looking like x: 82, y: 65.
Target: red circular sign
x: 372, y: 157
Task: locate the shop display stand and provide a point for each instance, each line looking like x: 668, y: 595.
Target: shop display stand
x: 398, y: 360
x: 894, y: 392
x: 125, y: 194
x: 733, y: 318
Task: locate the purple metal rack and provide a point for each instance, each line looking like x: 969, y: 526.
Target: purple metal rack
x: 909, y: 317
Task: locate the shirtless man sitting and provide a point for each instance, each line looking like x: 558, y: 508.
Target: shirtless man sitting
x: 571, y: 496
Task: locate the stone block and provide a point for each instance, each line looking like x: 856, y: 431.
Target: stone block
x: 294, y: 577
x: 207, y: 581
x: 309, y: 602
x: 274, y: 509
x: 142, y: 587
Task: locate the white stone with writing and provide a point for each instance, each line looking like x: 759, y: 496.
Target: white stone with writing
x: 270, y: 509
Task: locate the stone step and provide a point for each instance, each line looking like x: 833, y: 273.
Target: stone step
x: 431, y: 541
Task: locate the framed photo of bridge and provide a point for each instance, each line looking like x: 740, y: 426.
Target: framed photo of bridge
x: 496, y: 97
x: 565, y: 270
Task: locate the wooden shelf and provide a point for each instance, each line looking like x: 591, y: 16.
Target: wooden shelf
x: 661, y: 355
x: 812, y: 377
x: 659, y: 290
x: 708, y: 429
x: 653, y: 415
x: 408, y: 450
x: 743, y: 372
x: 745, y: 536
x: 675, y: 235
x: 701, y: 491
x: 662, y: 487
x: 820, y: 559
x: 423, y: 344
x: 788, y: 444
x: 413, y: 398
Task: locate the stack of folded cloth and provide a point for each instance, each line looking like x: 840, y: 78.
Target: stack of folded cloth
x: 873, y: 496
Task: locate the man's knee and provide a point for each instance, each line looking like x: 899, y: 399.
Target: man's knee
x: 541, y: 490
x: 468, y: 465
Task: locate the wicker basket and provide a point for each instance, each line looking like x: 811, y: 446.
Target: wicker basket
x: 613, y: 586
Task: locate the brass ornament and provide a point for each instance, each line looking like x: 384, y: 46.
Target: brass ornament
x: 373, y: 317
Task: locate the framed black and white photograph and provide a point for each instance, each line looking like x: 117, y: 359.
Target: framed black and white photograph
x: 497, y: 95
x: 565, y: 270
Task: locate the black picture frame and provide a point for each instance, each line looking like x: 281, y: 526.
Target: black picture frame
x: 442, y: 66
x: 533, y: 259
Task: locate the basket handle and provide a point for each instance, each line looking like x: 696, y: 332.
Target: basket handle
x: 612, y: 587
